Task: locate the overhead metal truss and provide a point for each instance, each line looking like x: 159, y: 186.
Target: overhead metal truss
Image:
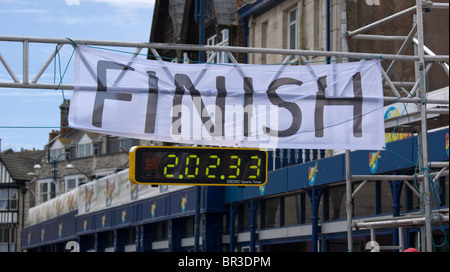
x: 60, y: 42
x: 422, y: 59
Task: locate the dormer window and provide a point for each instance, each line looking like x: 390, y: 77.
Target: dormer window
x: 84, y: 147
x: 84, y: 150
x: 56, y: 150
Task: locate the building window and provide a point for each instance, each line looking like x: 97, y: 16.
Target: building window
x: 364, y: 200
x: 245, y: 213
x: 84, y: 150
x: 337, y: 196
x: 307, y: 209
x: 109, y: 239
x: 46, y: 190
x: 113, y: 145
x: 189, y: 227
x: 7, y: 239
x: 318, y: 15
x: 292, y: 210
x: 117, y: 144
x: 264, y: 41
x: 161, y: 231
x: 130, y: 237
x: 55, y: 154
x: 292, y: 29
x: 220, y: 57
x: 126, y: 144
x: 8, y: 199
x: 272, y: 207
x: 74, y: 181
x: 97, y: 147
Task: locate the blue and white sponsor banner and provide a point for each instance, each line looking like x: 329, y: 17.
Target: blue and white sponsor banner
x: 335, y: 106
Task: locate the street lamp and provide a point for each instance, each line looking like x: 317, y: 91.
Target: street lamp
x: 54, y: 170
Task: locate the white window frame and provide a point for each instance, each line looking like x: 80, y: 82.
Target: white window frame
x: 56, y: 150
x: 84, y: 147
x: 221, y: 57
x: 80, y: 178
x: 211, y: 41
x: 96, y: 148
x: 12, y: 196
x: 49, y: 182
x: 84, y: 150
x: 290, y: 24
x: 55, y: 153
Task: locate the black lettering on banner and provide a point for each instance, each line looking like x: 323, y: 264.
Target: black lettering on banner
x: 183, y: 81
x: 293, y: 108
x: 102, y: 94
x: 248, y: 105
x: 356, y: 102
x: 152, y: 102
x: 220, y: 105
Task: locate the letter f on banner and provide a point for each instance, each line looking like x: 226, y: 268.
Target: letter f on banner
x: 102, y: 94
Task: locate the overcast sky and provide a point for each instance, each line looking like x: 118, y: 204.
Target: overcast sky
x: 115, y: 20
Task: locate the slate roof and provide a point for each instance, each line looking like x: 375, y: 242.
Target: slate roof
x: 224, y: 12
x: 19, y: 164
x: 73, y: 137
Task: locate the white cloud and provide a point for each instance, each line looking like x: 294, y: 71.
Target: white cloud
x: 14, y: 2
x: 73, y: 2
x: 129, y: 3
x: 33, y: 11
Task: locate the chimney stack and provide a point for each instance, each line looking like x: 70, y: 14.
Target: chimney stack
x: 52, y: 135
x: 64, y: 107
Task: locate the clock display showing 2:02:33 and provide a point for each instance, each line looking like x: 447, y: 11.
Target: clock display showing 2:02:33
x: 198, y: 166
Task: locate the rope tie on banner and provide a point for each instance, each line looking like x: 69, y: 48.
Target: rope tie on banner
x: 73, y: 42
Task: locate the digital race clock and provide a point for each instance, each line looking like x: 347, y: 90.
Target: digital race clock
x: 180, y: 165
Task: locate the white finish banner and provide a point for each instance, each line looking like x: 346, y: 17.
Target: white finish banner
x: 335, y: 106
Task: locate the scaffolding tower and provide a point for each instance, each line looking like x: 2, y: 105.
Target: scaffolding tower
x: 419, y: 91
x: 422, y: 59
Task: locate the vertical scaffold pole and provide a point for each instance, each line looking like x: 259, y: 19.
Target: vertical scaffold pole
x: 198, y: 190
x: 348, y: 173
x: 348, y: 201
x: 424, y: 137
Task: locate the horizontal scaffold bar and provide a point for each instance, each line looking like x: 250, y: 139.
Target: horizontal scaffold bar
x: 418, y: 221
x: 393, y: 177
x: 233, y: 49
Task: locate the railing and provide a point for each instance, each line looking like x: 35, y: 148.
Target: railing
x: 281, y: 158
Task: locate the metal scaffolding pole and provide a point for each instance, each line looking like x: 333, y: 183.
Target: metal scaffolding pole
x: 424, y: 134
x: 348, y: 201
